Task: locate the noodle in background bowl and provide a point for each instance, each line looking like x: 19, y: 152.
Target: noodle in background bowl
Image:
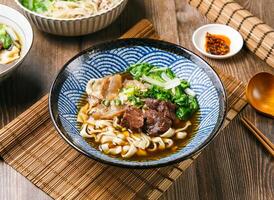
x: 77, y: 26
x: 68, y: 92
x: 22, y: 27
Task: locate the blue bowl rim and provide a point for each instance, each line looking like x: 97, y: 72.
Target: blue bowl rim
x: 149, y: 42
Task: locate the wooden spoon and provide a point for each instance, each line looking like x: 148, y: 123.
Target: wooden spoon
x: 260, y: 93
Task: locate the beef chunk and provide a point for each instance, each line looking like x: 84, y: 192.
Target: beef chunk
x: 152, y: 103
x: 156, y: 119
x: 159, y: 116
x: 162, y: 125
x: 168, y: 109
x: 156, y: 122
x: 133, y: 119
x: 150, y: 116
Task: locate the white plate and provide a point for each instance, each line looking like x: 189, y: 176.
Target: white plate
x: 235, y: 37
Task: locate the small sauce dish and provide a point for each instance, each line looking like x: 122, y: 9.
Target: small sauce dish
x: 199, y: 39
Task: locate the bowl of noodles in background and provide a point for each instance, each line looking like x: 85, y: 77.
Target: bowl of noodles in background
x: 16, y: 38
x: 137, y: 103
x: 71, y: 18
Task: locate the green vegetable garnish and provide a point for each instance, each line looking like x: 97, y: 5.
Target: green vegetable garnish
x: 170, y: 73
x: 186, y: 111
x: 184, y: 84
x: 38, y: 6
x: 158, y: 93
x: 106, y: 102
x: 164, y: 86
x: 129, y: 91
x: 193, y: 103
x: 183, y: 113
x: 134, y: 95
x: 136, y: 101
x: 5, y: 38
x: 181, y: 100
x: 140, y: 69
x: 117, y: 102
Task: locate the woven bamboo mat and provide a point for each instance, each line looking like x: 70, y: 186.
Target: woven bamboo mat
x: 32, y: 146
x: 258, y: 36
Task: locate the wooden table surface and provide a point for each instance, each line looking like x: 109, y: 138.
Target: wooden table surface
x: 234, y: 166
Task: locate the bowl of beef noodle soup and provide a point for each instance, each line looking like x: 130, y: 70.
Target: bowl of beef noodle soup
x: 137, y: 103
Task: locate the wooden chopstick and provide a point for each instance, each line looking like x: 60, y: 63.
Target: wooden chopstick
x: 259, y: 135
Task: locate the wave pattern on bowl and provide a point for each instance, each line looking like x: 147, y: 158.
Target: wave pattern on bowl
x: 96, y: 65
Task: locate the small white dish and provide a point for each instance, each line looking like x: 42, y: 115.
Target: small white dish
x: 199, y: 39
x: 22, y: 27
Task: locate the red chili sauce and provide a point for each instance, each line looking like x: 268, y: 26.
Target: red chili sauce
x: 217, y: 44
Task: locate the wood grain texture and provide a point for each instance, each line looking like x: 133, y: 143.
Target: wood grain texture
x: 234, y: 166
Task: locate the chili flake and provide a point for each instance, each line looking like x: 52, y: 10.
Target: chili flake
x: 217, y: 44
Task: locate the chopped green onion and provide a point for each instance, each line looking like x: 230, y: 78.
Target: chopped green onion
x: 117, y: 102
x: 106, y: 102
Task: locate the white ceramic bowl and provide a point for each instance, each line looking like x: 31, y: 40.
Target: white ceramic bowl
x: 23, y: 28
x: 235, y: 37
x: 74, y: 27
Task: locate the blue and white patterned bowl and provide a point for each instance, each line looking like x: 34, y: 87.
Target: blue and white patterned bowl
x: 68, y: 91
